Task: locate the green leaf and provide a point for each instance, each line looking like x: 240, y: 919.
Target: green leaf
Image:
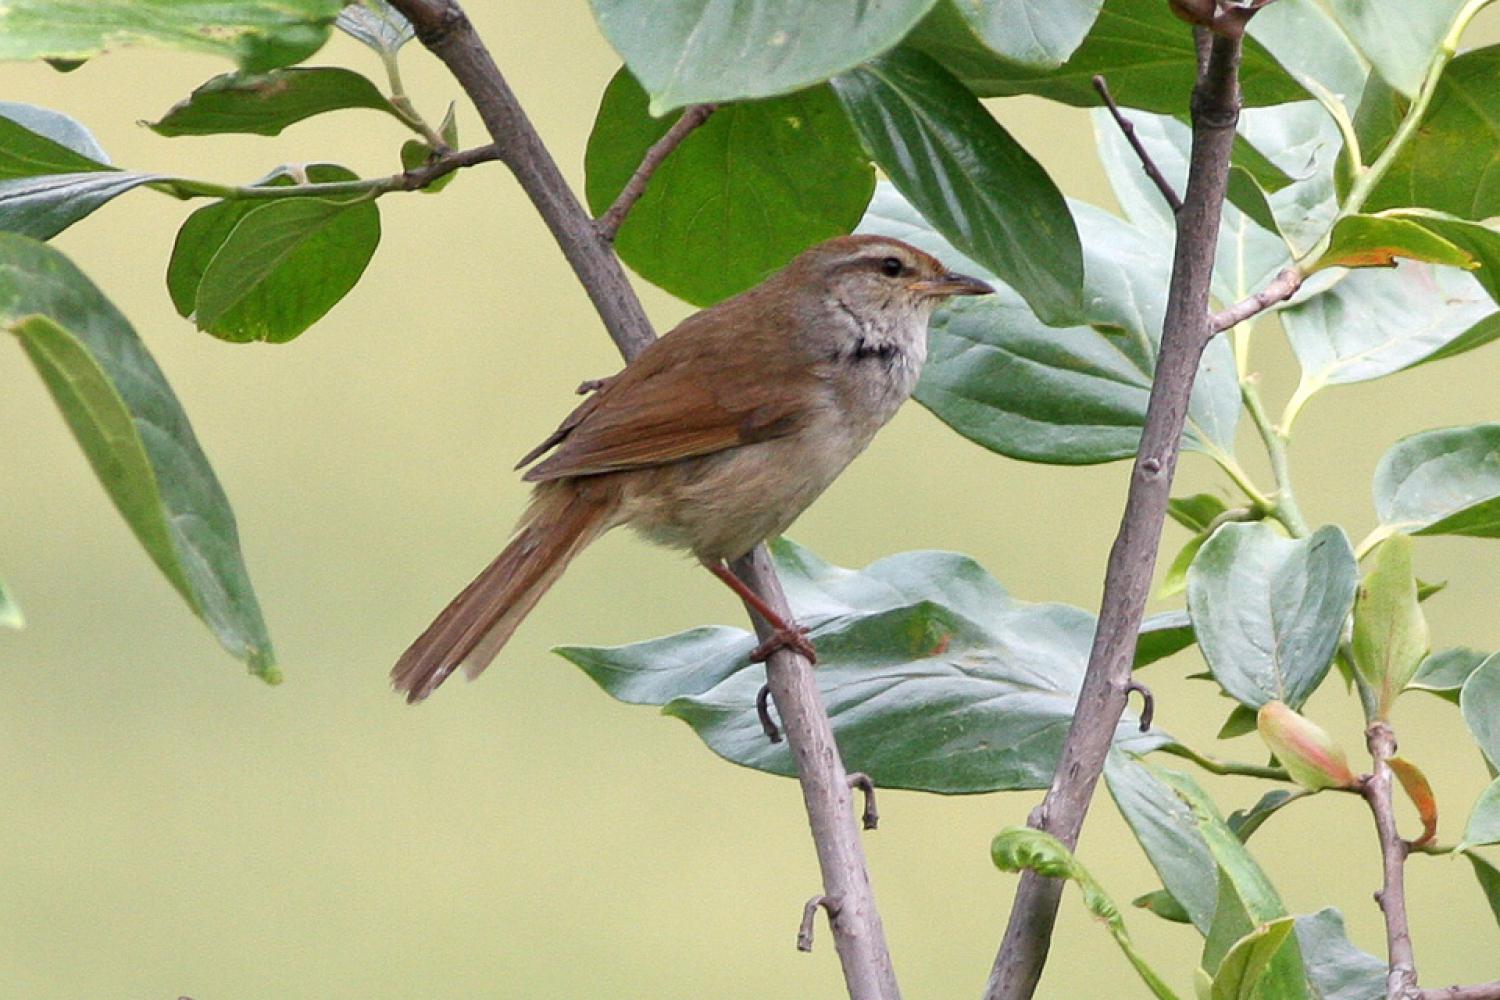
x: 266, y: 103
x: 934, y: 677
x: 1336, y: 969
x: 1479, y: 700
x: 376, y: 24
x: 1268, y: 611
x: 1398, y: 37
x: 743, y: 194
x: 1442, y: 482
x: 1072, y: 396
x: 1146, y: 54
x: 10, y: 611
x: 267, y: 270
x: 970, y: 180
x: 1244, y: 822
x: 1164, y: 905
x: 1196, y: 512
x: 1174, y: 580
x: 1164, y: 826
x: 1040, y: 33
x: 693, y: 51
x: 1376, y: 241
x: 1444, y: 672
x: 1484, y: 821
x: 1162, y: 635
x: 1375, y: 323
x: 1239, y: 722
x: 1245, y: 966
x: 1449, y: 165
x: 135, y: 435
x: 1488, y: 877
x: 56, y: 126
x: 1020, y: 848
x: 1390, y: 631
x: 1381, y: 111
x: 257, y: 34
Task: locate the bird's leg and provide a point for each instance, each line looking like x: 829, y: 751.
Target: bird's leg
x: 784, y: 635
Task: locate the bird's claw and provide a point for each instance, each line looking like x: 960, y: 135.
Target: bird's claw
x: 793, y: 638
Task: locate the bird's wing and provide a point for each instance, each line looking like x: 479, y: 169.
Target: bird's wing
x: 663, y: 408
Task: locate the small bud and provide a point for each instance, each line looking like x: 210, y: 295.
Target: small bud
x: 1308, y: 753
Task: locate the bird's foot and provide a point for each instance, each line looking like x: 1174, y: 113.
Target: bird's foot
x: 793, y: 637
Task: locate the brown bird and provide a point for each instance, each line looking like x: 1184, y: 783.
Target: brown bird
x: 714, y: 438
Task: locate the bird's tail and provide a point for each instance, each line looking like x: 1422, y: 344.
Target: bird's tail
x: 561, y: 521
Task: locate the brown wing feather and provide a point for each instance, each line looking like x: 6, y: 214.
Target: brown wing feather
x: 661, y: 409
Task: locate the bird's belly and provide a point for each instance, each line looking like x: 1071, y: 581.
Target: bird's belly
x: 720, y: 506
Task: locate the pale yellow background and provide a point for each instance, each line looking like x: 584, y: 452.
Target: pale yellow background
x: 171, y: 826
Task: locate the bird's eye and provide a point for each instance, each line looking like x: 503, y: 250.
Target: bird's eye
x: 892, y: 267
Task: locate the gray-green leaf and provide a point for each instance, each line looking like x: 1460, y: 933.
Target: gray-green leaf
x: 1442, y: 482
x: 743, y: 194
x: 1390, y: 631
x: 1444, y: 672
x: 376, y: 24
x: 934, y: 677
x: 693, y: 51
x: 1479, y: 700
x: 1268, y: 611
x: 137, y: 438
x: 266, y: 103
x: 970, y: 180
x: 1398, y: 37
x: 1040, y: 33
x: 1484, y: 821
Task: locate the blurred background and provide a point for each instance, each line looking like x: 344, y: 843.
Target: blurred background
x: 172, y: 826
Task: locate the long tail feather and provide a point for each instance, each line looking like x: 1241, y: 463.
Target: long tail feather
x: 476, y: 624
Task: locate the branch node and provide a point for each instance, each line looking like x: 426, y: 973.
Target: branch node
x: 763, y: 713
x: 1147, y: 163
x: 809, y: 912
x: 608, y: 224
x: 870, y: 818
x: 1148, y: 702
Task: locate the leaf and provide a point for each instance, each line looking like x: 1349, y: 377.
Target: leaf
x: 266, y: 103
x: 1449, y: 165
x: 376, y: 24
x: 135, y: 435
x: 1376, y: 323
x: 1162, y: 635
x: 1479, y: 700
x: 1419, y: 790
x: 1196, y: 512
x: 258, y: 34
x: 1390, y: 631
x: 1240, y: 721
x: 1146, y: 54
x: 692, y: 51
x: 1070, y: 396
x: 1164, y: 905
x: 1484, y: 821
x: 1488, y: 877
x: 969, y: 179
x: 1442, y: 482
x: 1268, y: 611
x: 250, y: 270
x: 1174, y: 580
x: 1245, y: 966
x: 1020, y: 848
x: 1337, y: 969
x: 25, y: 152
x: 1376, y: 241
x: 1312, y: 757
x: 1244, y: 822
x: 934, y: 677
x: 10, y: 611
x: 1164, y: 826
x: 56, y: 126
x: 416, y: 153
x: 1399, y: 38
x: 1040, y: 33
x: 1307, y: 42
x: 42, y: 207
x: 743, y: 194
x: 1444, y: 672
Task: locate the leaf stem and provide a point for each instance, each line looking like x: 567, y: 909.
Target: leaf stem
x: 1213, y: 765
x: 1284, y: 508
x: 405, y: 109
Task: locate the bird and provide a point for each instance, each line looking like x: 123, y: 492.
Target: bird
x: 713, y: 439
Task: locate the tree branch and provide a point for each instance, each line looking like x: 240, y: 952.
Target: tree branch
x: 608, y: 224
x: 1215, y: 111
x: 1281, y: 288
x: 1147, y: 163
x: 858, y: 935
x: 1481, y: 991
x: 1401, y: 980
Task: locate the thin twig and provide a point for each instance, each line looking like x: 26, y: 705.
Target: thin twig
x: 1281, y: 288
x: 809, y: 913
x: 858, y: 936
x: 445, y: 164
x: 1127, y: 581
x: 1147, y: 163
x: 1480, y: 991
x: 608, y: 224
x: 1148, y: 703
x: 1401, y: 980
x: 870, y: 818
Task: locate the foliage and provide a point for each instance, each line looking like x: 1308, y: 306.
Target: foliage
x: 1363, y: 163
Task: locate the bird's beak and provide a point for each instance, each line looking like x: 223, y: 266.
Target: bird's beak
x: 952, y: 284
